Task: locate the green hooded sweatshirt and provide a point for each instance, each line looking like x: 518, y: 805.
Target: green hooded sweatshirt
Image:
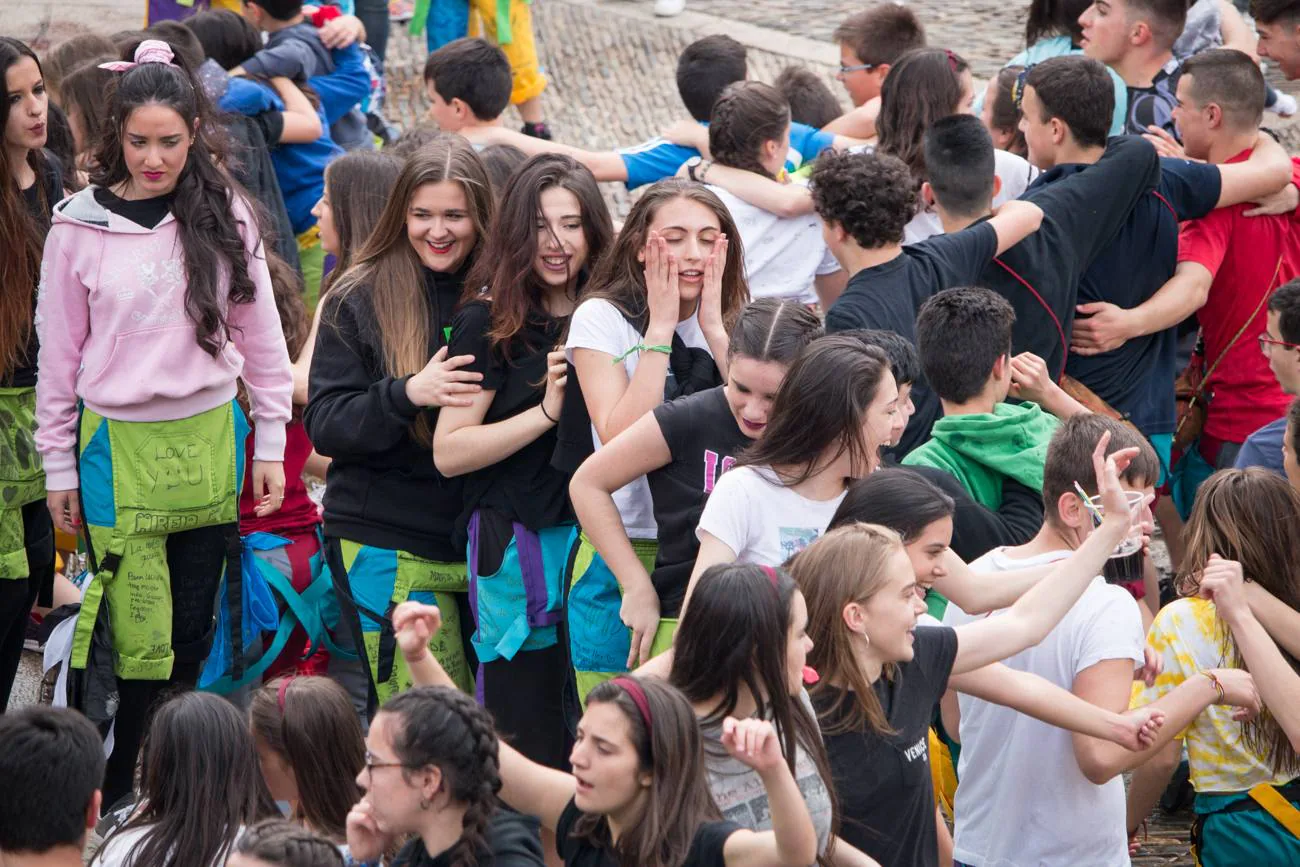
x: 982, y: 449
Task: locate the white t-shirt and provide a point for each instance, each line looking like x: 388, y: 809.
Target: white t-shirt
x: 1016, y: 175
x: 1022, y: 800
x: 782, y: 254
x: 760, y: 519
x: 119, y: 849
x: 597, y: 324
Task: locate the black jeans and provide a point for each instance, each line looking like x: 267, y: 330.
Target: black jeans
x: 196, y: 560
x: 18, y: 595
x: 374, y: 15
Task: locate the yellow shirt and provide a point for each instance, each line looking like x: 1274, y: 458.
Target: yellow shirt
x: 1190, y: 637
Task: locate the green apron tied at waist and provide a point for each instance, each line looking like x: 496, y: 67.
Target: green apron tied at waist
x: 141, y: 482
x: 22, y: 480
x: 376, y: 581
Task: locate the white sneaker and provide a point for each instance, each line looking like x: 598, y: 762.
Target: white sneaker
x: 669, y: 8
x: 1285, y: 105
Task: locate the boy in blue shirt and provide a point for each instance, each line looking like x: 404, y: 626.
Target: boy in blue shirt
x: 294, y: 50
x: 705, y: 68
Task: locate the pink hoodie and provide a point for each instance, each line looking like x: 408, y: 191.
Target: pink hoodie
x: 110, y: 314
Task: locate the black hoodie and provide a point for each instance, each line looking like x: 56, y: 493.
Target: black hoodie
x: 382, y: 488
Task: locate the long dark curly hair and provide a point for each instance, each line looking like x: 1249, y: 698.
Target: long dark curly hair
x: 446, y: 728
x: 216, y: 257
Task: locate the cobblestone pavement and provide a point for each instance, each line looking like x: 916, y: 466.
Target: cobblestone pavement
x: 611, y: 68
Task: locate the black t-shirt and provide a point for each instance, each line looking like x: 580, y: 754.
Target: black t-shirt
x: 1082, y: 214
x: 511, y: 841
x: 706, y: 849
x: 888, y: 295
x: 523, y: 486
x: 1137, y: 379
x: 883, y: 784
x: 143, y: 212
x: 704, y: 439
x: 40, y: 199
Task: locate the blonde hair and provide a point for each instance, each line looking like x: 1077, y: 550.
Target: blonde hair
x: 849, y: 564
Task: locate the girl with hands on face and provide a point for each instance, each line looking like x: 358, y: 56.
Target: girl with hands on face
x: 651, y: 327
x: 1240, y: 528
x: 553, y: 227
x: 381, y: 374
x: 638, y: 795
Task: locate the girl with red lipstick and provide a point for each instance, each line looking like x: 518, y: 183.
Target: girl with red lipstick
x: 552, y: 226
x: 682, y: 447
x: 380, y: 373
x: 639, y: 795
x: 155, y: 306
x: 31, y: 184
x: 651, y: 326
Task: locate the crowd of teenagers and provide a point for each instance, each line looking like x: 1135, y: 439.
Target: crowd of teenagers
x: 801, y: 517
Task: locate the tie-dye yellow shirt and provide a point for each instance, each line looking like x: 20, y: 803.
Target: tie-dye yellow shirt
x: 1189, y: 636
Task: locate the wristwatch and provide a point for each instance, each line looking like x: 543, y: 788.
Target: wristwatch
x: 697, y: 168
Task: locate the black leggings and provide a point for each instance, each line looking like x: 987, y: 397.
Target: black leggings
x: 18, y: 595
x: 196, y: 560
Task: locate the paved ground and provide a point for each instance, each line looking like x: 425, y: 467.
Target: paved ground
x: 611, y: 65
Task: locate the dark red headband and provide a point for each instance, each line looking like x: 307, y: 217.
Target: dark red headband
x: 637, y: 694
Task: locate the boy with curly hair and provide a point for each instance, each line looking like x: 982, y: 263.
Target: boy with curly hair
x: 864, y: 201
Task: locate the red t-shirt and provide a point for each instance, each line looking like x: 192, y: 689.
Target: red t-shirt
x: 298, y: 514
x: 1243, y: 255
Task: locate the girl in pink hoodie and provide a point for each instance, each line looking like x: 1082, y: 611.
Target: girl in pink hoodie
x: 154, y: 299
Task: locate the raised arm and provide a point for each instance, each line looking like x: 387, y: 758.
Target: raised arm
x: 793, y: 839
x: 784, y: 200
x: 1015, y: 221
x: 982, y: 592
x: 528, y: 787
x: 636, y: 451
x: 1034, y: 614
x: 1266, y: 172
x: 1276, y: 680
x: 1281, y: 620
x: 604, y: 165
x: 302, y: 123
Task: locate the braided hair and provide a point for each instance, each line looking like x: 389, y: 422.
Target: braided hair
x: 748, y: 114
x: 285, y: 844
x: 444, y: 727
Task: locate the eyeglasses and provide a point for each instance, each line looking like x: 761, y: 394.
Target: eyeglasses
x: 861, y: 67
x: 372, y: 763
x: 1265, y: 342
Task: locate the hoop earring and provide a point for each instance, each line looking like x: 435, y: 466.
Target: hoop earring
x: 425, y: 803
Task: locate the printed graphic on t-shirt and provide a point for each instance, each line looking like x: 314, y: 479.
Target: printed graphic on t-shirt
x: 795, y: 539
x: 715, y: 465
